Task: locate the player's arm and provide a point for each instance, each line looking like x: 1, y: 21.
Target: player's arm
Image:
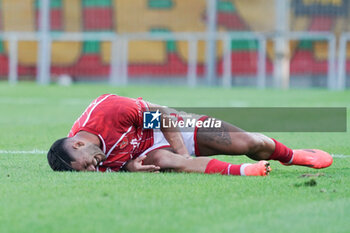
x: 172, y: 134
x: 136, y: 165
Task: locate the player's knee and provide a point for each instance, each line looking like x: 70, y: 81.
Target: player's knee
x: 255, y: 144
x: 260, y: 147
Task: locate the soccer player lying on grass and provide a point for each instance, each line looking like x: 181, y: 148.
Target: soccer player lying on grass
x: 109, y: 136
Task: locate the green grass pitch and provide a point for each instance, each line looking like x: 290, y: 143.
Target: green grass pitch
x: 35, y: 199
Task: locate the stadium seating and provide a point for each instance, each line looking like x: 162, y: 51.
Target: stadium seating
x: 158, y: 58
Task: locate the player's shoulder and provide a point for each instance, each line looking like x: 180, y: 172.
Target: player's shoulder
x: 119, y: 103
x: 116, y: 102
x: 117, y: 97
x: 105, y: 96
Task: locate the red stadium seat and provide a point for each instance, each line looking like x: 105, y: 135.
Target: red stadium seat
x: 97, y: 19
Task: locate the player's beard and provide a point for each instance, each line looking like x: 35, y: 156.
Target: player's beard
x: 95, y: 150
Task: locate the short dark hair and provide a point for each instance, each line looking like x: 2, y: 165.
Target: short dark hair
x: 58, y: 156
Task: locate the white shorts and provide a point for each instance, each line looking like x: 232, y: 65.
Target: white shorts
x: 190, y: 140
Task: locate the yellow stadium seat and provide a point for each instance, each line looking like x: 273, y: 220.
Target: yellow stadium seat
x: 139, y: 52
x: 348, y: 51
x: 136, y: 16
x: 270, y: 48
x: 65, y: 53
x: 18, y: 15
x: 72, y: 14
x: 106, y: 51
x: 201, y: 57
x: 257, y: 14
x: 27, y: 52
x: 321, y: 50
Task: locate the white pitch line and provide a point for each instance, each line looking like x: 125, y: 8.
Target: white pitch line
x: 35, y: 151
x: 341, y: 156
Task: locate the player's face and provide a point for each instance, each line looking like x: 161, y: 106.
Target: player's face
x: 86, y: 156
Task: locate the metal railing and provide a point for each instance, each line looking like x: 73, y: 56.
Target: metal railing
x: 343, y: 41
x: 119, y: 61
x: 336, y: 76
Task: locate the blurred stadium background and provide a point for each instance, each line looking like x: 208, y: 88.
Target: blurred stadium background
x: 303, y: 45
x: 263, y: 43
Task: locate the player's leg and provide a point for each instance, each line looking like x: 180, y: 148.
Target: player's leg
x: 166, y: 160
x: 231, y: 140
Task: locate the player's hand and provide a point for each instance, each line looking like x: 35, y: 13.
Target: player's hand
x: 136, y: 165
x: 187, y: 156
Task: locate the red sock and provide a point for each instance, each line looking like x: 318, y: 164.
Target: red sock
x: 216, y: 166
x: 281, y: 153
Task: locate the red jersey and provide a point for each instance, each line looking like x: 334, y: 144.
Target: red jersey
x: 117, y: 121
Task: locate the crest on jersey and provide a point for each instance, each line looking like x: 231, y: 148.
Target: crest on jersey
x: 124, y: 143
x: 151, y: 120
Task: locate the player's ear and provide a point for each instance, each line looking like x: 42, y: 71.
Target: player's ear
x: 77, y: 144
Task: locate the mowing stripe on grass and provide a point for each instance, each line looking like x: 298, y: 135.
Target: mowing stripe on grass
x: 34, y: 151
x: 36, y: 101
x: 37, y: 151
